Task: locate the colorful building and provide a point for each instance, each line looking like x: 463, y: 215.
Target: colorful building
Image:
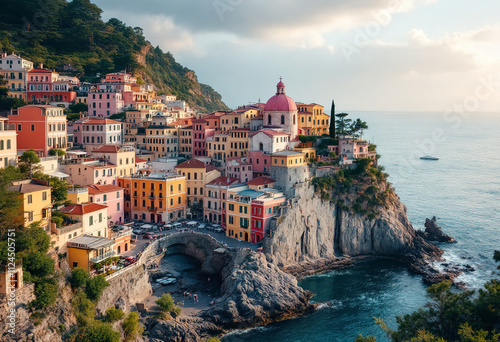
x: 122, y: 156
x: 93, y: 133
x: 239, y: 213
x: 260, y: 161
x: 200, y: 135
x: 14, y: 70
x: 105, y: 102
x: 214, y: 202
x: 8, y: 144
x: 85, y: 171
x: 240, y: 169
x: 157, y: 197
x: 264, y: 207
x: 186, y: 141
x: 162, y: 141
x: 312, y: 119
x: 238, y: 142
x: 289, y: 169
x: 47, y: 87
x: 270, y: 141
x: 197, y: 174
x: 110, y: 196
x: 281, y: 112
x: 87, y: 251
x: 36, y: 202
x: 93, y: 217
x: 40, y: 127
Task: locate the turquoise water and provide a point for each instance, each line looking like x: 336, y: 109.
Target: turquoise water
x: 462, y: 190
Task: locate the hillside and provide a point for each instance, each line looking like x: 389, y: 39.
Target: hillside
x: 58, y: 32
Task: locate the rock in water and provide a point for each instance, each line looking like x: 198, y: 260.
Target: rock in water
x: 433, y: 232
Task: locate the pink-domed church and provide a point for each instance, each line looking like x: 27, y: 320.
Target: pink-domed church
x: 281, y: 112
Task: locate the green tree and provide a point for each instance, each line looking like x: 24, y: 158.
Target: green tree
x: 359, y: 126
x: 95, y: 286
x: 10, y: 217
x: 165, y: 302
x: 99, y: 332
x: 38, y: 265
x: 28, y: 163
x: 342, y: 123
x: 59, y: 188
x: 131, y: 326
x: 113, y: 315
x: 333, y: 133
x: 83, y: 309
x: 79, y: 277
x: 46, y: 294
x: 78, y: 107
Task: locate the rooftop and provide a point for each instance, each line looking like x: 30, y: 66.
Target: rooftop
x: 27, y: 186
x: 251, y: 193
x: 90, y: 242
x: 224, y: 181
x: 98, y: 188
x: 81, y: 209
x: 287, y: 153
x: 261, y: 181
x: 191, y: 164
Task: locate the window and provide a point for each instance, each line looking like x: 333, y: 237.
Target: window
x: 44, y: 196
x: 231, y: 220
x: 30, y: 199
x: 100, y: 217
x: 104, y: 198
x: 231, y: 207
x: 91, y: 220
x: 32, y: 127
x: 241, y: 209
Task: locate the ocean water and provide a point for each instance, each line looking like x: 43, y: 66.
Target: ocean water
x: 462, y: 190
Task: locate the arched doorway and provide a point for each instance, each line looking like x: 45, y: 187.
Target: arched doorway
x: 119, y: 249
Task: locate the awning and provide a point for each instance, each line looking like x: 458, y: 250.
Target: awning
x: 57, y: 174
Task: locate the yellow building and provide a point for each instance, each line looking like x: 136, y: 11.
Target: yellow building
x: 238, y: 142
x: 122, y: 156
x: 312, y: 119
x: 186, y: 141
x: 288, y: 159
x: 8, y: 144
x: 162, y: 141
x: 78, y: 195
x: 158, y: 197
x: 239, y: 212
x: 217, y: 147
x: 86, y: 251
x: 239, y: 118
x: 309, y: 152
x: 36, y: 201
x: 197, y: 175
x: 14, y: 70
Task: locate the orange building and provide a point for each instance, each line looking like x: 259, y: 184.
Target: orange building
x: 40, y: 127
x: 312, y: 119
x: 158, y: 197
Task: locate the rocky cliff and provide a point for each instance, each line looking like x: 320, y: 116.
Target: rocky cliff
x: 316, y: 234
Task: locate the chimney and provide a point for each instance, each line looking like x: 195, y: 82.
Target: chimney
x: 41, y: 65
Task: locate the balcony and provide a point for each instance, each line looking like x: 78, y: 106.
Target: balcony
x: 101, y: 257
x: 152, y: 196
x: 152, y: 208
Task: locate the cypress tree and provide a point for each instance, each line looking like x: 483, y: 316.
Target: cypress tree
x: 332, y: 121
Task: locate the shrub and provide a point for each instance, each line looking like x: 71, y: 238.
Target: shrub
x: 113, y: 315
x: 59, y: 221
x: 83, y: 308
x: 165, y: 302
x: 176, y: 312
x: 79, y: 277
x: 131, y: 326
x: 95, y: 286
x: 164, y: 316
x: 99, y: 332
x: 46, y: 294
x: 213, y: 339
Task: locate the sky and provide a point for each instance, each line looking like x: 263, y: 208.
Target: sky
x: 368, y: 55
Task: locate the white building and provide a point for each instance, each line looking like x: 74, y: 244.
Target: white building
x: 270, y: 141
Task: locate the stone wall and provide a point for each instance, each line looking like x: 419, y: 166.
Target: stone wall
x: 287, y: 177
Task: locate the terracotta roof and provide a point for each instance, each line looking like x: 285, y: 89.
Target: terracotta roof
x: 139, y: 160
x: 88, y: 121
x: 80, y: 209
x: 98, y: 188
x: 191, y: 164
x: 209, y: 168
x: 261, y: 181
x: 224, y: 181
x: 107, y: 149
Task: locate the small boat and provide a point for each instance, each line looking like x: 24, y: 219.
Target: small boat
x: 429, y: 158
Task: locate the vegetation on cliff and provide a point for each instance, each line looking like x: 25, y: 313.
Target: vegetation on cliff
x: 451, y: 316
x: 59, y: 33
x: 362, y: 189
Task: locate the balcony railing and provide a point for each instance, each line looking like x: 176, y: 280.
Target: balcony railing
x: 152, y: 208
x: 152, y: 196
x: 101, y: 257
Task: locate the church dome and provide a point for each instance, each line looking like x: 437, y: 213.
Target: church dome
x: 280, y: 102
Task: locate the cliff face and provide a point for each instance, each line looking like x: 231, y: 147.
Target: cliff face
x: 315, y: 235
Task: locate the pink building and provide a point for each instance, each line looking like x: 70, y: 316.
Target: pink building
x: 260, y: 161
x: 45, y: 86
x: 109, y: 195
x: 239, y: 168
x: 199, y: 139
x: 263, y: 209
x: 105, y: 102
x: 94, y: 133
x: 214, y: 201
x: 89, y: 171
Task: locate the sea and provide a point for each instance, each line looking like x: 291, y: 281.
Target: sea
x: 462, y: 189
